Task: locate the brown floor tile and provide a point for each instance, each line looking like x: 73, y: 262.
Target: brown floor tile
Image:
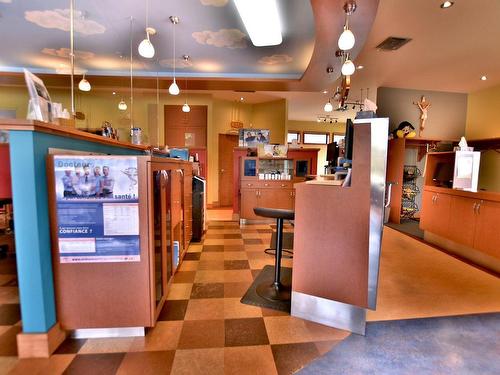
x: 233, y: 242
x: 232, y: 235
x: 207, y: 290
x: 10, y: 314
x: 291, y: 357
x: 211, y: 248
x: 265, y: 230
x: 209, y: 276
x: 195, y: 248
x: 271, y: 312
x: 235, y: 255
x: 56, y: 364
x: 214, y: 236
x: 164, y: 336
x: 258, y: 255
x: 234, y: 309
x: 9, y: 295
x: 192, y: 256
x: 184, y: 277
x: 213, y: 265
x: 107, y: 345
x: 179, y: 291
x: 287, y: 330
x: 173, y: 310
x: 245, y: 332
x: 97, y: 364
x: 199, y: 362
x: 236, y: 265
x: 205, y: 309
x: 147, y: 363
x: 236, y: 276
x: 199, y: 334
x: 7, y: 364
x: 259, y: 263
x: 7, y: 280
x: 4, y: 329
x: 249, y: 360
x: 320, y: 332
x: 212, y: 242
x: 8, y: 342
x: 255, y: 273
x: 256, y: 248
x: 189, y: 265
x: 252, y: 241
x: 70, y: 346
x: 211, y: 256
x: 234, y: 248
x: 235, y: 290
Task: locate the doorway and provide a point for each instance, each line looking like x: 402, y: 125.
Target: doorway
x: 227, y: 142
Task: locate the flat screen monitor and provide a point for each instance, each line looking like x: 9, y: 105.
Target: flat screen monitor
x: 332, y: 152
x: 349, y: 137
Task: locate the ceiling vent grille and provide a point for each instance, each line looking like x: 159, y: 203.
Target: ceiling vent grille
x: 392, y: 43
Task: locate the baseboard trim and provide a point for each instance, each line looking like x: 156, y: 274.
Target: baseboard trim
x: 40, y: 345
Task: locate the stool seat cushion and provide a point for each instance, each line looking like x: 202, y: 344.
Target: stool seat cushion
x: 275, y: 213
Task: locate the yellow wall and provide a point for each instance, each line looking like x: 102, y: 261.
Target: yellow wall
x: 483, y: 121
x: 317, y: 127
x: 272, y: 116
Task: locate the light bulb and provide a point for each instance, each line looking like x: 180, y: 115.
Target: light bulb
x: 346, y: 40
x: 84, y: 85
x: 186, y: 108
x: 174, y: 89
x: 328, y: 107
x: 348, y: 68
x: 122, y: 106
x: 146, y: 48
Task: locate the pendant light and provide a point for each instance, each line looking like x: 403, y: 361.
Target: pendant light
x: 174, y: 89
x: 348, y: 67
x: 146, y: 48
x: 186, y: 108
x: 328, y: 106
x: 347, y: 39
x: 122, y: 106
x: 84, y: 85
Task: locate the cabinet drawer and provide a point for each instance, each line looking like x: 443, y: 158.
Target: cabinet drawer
x: 275, y: 184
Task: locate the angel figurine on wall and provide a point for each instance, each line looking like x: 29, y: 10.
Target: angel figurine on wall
x: 424, y: 106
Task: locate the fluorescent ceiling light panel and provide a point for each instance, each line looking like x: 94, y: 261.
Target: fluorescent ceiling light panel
x: 261, y: 20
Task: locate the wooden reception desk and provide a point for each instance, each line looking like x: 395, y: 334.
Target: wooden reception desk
x: 337, y: 237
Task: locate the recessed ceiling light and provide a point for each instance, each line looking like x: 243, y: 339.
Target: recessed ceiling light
x: 447, y: 4
x: 359, y: 67
x: 114, y: 93
x: 484, y: 78
x: 325, y: 91
x: 241, y: 99
x: 261, y: 20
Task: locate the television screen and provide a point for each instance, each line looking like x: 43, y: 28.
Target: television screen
x: 349, y: 137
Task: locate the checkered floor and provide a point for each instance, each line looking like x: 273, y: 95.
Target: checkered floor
x: 202, y: 329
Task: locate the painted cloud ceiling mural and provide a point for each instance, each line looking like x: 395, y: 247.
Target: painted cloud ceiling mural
x: 36, y: 36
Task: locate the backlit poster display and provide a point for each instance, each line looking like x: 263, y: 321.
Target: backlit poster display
x: 97, y: 201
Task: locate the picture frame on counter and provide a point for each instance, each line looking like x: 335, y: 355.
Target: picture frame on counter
x: 253, y: 137
x: 40, y: 104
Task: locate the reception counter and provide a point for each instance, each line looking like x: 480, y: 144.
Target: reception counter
x: 30, y: 144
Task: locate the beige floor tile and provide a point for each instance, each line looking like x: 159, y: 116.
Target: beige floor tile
x: 179, y: 291
x: 234, y: 309
x: 209, y: 276
x: 259, y: 263
x: 189, y: 265
x: 287, y: 330
x: 258, y: 255
x: 4, y: 329
x: 258, y: 248
x: 56, y: 364
x: 236, y: 290
x: 199, y: 362
x: 251, y: 235
x: 9, y: 294
x: 195, y: 248
x: 235, y: 255
x: 320, y: 332
x: 234, y: 241
x: 107, y: 345
x: 7, y: 364
x: 147, y: 363
x: 249, y: 360
x: 164, y: 336
x: 211, y: 255
x: 236, y: 276
x: 213, y: 241
x: 325, y: 346
x: 6, y: 278
x: 212, y: 265
x: 205, y: 309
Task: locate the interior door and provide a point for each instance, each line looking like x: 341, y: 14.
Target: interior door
x: 227, y: 142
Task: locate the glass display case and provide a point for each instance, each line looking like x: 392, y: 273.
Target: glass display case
x: 275, y: 169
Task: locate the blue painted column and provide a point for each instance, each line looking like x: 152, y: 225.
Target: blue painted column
x: 28, y: 153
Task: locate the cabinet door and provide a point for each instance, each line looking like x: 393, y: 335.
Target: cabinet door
x: 462, y: 220
x: 435, y: 215
x: 249, y: 200
x: 487, y: 235
x: 276, y: 198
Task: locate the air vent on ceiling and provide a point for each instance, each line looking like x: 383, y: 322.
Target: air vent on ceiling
x: 392, y: 43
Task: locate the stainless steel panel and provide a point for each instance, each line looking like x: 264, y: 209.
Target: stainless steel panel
x: 93, y: 333
x: 328, y: 312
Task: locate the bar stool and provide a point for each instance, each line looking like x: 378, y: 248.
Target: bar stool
x: 275, y: 291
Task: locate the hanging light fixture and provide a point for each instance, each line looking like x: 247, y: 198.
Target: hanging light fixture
x: 347, y: 39
x: 348, y: 67
x: 84, y: 85
x: 186, y: 108
x: 122, y: 106
x: 174, y: 89
x: 146, y: 48
x: 328, y: 106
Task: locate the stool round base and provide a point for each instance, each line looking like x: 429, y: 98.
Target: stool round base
x: 274, y: 291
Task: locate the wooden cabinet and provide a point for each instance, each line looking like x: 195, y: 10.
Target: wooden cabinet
x: 268, y: 194
x: 435, y: 212
x: 462, y: 220
x: 249, y: 200
x: 487, y: 233
x: 277, y: 198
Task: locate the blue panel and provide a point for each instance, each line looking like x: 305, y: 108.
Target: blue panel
x: 28, y: 152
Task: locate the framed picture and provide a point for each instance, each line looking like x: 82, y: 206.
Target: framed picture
x: 253, y: 137
x: 275, y: 151
x: 40, y: 105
